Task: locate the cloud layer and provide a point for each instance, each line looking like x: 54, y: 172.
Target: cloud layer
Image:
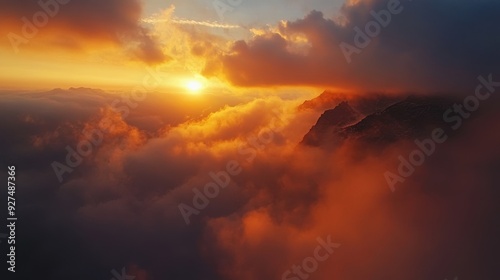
x: 426, y: 46
x: 119, y: 208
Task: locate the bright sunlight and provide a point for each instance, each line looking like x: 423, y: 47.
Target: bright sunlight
x: 194, y: 86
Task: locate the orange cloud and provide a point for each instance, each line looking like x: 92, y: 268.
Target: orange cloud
x: 417, y: 49
x: 78, y: 25
x: 442, y: 221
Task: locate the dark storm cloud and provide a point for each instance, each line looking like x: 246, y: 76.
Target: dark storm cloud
x: 429, y: 45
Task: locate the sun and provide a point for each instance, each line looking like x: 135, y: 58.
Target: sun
x: 194, y: 86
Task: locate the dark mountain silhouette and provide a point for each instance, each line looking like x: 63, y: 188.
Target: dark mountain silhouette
x: 330, y: 123
x: 411, y: 118
x: 322, y: 102
x: 367, y: 103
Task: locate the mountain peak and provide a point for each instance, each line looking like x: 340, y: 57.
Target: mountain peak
x: 343, y: 114
x: 326, y: 100
x: 331, y: 121
x: 411, y: 118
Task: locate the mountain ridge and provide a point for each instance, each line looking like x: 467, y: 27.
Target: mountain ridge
x: 412, y: 117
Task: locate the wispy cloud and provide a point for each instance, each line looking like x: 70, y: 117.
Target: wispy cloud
x: 211, y: 24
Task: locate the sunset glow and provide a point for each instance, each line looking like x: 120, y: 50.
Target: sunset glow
x: 194, y: 86
x: 250, y: 139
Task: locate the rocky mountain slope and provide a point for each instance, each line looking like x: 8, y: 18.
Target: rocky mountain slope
x: 411, y: 118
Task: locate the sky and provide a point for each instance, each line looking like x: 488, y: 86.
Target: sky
x: 247, y: 13
x: 161, y: 140
x: 98, y: 49
x: 305, y: 42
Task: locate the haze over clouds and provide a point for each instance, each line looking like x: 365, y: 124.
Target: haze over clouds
x: 221, y: 101
x: 121, y: 205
